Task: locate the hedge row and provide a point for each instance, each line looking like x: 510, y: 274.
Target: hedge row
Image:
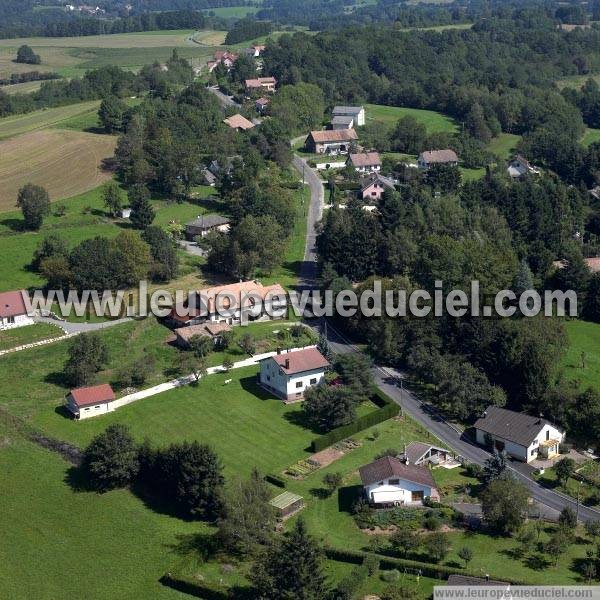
x: 431, y: 570
x: 275, y: 480
x: 198, y: 589
x: 388, y: 409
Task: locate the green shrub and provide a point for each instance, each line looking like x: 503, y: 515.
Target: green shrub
x: 275, y: 480
x: 391, y: 576
x: 371, y: 562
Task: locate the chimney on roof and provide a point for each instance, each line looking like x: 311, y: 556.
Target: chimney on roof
x: 405, y: 455
x: 287, y: 363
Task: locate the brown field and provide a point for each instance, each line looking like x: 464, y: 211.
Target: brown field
x: 66, y: 163
x: 22, y: 88
x: 53, y: 59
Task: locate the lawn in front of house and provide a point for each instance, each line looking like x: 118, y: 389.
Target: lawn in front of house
x: 587, y: 493
x: 20, y: 336
x: 435, y: 122
x: 581, y: 361
x: 61, y: 543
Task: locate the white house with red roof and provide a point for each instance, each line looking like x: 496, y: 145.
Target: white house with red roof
x: 13, y: 311
x: 86, y: 402
x: 290, y: 374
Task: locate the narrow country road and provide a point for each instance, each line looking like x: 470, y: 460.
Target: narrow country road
x: 226, y: 101
x: 390, y: 381
x: 73, y: 327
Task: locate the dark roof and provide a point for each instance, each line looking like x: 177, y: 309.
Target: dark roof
x: 510, y: 425
x: 389, y: 466
x: 300, y: 361
x: 12, y: 304
x: 386, y: 182
x: 415, y: 451
x: 346, y: 110
x: 208, y: 221
x: 86, y: 396
x: 342, y: 119
x: 466, y: 580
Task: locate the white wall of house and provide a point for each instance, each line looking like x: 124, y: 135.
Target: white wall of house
x: 525, y: 454
x: 368, y: 169
x: 16, y: 321
x: 359, y: 117
x: 87, y: 412
x: 288, y: 387
x: 398, y: 490
x: 271, y: 309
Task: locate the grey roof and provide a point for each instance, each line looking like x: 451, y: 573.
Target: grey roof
x: 439, y: 156
x: 342, y: 120
x: 510, y: 425
x: 415, y: 451
x: 208, y: 221
x: 466, y: 580
x: 346, y: 110
x: 284, y: 500
x: 389, y: 466
x: 382, y: 179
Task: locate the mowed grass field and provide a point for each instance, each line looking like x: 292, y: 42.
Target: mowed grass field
x: 22, y: 88
x: 591, y: 136
x: 66, y: 163
x: 504, y: 145
x: 434, y: 121
x: 581, y: 362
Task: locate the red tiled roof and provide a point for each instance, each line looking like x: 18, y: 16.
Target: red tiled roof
x: 391, y: 467
x: 260, y: 82
x: 238, y: 122
x: 334, y: 135
x: 365, y: 159
x: 12, y: 304
x: 96, y: 394
x: 299, y: 361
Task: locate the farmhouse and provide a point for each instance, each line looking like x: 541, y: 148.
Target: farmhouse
x: 330, y: 142
x: 225, y: 58
x: 437, y: 157
x: 249, y: 300
x: 342, y: 122
x: 421, y: 453
x: 365, y: 162
x: 290, y: 374
x: 89, y: 402
x: 356, y: 112
x: 204, y: 224
x: 266, y: 84
x: 13, y: 312
x: 390, y: 482
x: 212, y: 330
x: 373, y: 187
x: 520, y: 166
x: 522, y: 436
x: 238, y: 122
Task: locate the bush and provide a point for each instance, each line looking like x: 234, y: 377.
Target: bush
x: 275, y: 480
x: 474, y: 470
x: 432, y: 523
x: 371, y: 562
x: 391, y: 576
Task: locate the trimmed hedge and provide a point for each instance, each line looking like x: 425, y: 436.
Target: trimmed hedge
x: 196, y: 588
x: 276, y: 480
x: 431, y: 570
x: 388, y: 409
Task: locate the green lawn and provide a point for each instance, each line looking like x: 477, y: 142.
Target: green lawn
x: 584, y: 337
x: 434, y: 121
x: 232, y: 12
x: 588, y: 494
x: 58, y: 543
x: 504, y: 145
x: 591, y: 136
x: 12, y: 338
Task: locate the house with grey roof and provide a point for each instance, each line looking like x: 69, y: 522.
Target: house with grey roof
x: 422, y: 453
x: 342, y: 122
x: 521, y: 436
x: 437, y: 157
x: 356, y: 112
x: 204, y: 224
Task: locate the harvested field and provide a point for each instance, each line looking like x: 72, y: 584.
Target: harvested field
x: 22, y: 88
x: 66, y: 163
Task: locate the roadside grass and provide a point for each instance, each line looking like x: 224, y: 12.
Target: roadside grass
x: 12, y: 338
x: 584, y: 338
x: 588, y: 494
x: 435, y: 122
x: 503, y: 145
x: 120, y: 547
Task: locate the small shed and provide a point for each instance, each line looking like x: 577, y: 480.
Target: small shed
x: 287, y: 504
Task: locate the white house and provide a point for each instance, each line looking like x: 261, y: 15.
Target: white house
x: 290, y: 374
x: 520, y: 166
x: 92, y: 401
x: 437, y: 157
x: 390, y: 482
x: 356, y: 112
x: 522, y: 436
x: 249, y: 300
x: 13, y: 312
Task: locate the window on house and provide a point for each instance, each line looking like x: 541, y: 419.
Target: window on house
x: 298, y: 384
x: 11, y: 319
x: 313, y: 381
x: 548, y: 434
x: 394, y: 482
x: 268, y: 378
x: 97, y: 406
x: 86, y: 409
x: 533, y: 452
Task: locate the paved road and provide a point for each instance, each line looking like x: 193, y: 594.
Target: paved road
x: 226, y: 101
x: 81, y: 327
x: 390, y: 381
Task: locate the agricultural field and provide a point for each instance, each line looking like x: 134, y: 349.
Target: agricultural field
x: 581, y: 362
x: 66, y: 163
x: 434, y: 121
x: 22, y: 88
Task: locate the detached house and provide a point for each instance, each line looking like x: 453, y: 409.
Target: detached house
x: 290, y: 374
x: 86, y: 402
x: 390, y: 482
x: 331, y: 141
x: 238, y: 122
x: 356, y: 112
x: 13, y: 312
x: 204, y: 224
x: 342, y: 122
x: 365, y: 162
x: 265, y: 84
x: 522, y: 436
x: 437, y: 157
x: 373, y: 187
x: 520, y: 166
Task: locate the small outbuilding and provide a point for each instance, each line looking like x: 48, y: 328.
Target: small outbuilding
x: 86, y: 402
x: 287, y: 504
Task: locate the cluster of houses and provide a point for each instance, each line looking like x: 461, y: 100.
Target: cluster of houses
x: 228, y: 58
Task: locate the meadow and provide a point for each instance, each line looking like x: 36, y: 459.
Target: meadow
x: 232, y: 12
x: 11, y: 338
x: 581, y: 362
x: 591, y: 136
x: 504, y: 145
x: 22, y: 88
x: 66, y: 163
x: 435, y: 122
